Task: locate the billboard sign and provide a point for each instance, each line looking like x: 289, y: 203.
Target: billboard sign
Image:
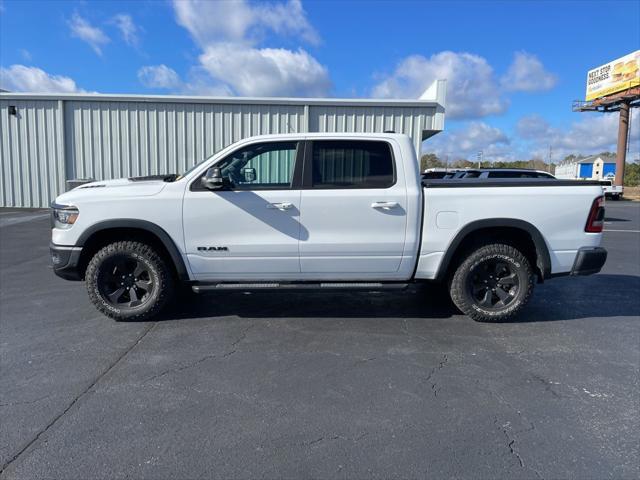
x: 614, y: 77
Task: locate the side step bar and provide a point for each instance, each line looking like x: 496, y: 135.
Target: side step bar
x: 245, y: 286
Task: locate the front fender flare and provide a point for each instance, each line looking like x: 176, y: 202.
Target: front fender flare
x: 147, y: 226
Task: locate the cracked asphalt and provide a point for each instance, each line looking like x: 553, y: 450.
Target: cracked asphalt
x: 298, y: 385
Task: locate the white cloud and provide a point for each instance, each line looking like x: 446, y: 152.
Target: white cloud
x: 588, y: 135
x: 199, y: 83
x: 159, y: 76
x: 20, y: 78
x: 467, y: 141
x: 591, y: 134
x: 287, y: 19
x: 166, y: 78
x: 266, y: 71
x: 229, y: 34
x: 82, y: 29
x: 472, y: 89
x: 533, y: 127
x: 210, y: 22
x: 527, y: 74
x: 128, y: 29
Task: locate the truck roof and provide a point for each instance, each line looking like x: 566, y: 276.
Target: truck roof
x: 284, y: 136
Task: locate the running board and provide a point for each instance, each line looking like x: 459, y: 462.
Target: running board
x: 244, y: 286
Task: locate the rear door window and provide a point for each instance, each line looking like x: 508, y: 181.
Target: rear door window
x: 352, y: 164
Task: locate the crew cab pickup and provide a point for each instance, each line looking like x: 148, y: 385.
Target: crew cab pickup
x: 323, y: 211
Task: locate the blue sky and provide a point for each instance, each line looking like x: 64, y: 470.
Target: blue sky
x: 513, y: 67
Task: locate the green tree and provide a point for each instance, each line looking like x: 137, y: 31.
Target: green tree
x: 430, y: 160
x: 462, y: 163
x: 632, y: 174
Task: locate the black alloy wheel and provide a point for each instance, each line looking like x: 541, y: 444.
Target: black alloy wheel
x: 494, y: 284
x: 129, y: 280
x: 125, y: 281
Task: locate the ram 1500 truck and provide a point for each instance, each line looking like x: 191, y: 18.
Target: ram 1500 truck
x: 323, y: 211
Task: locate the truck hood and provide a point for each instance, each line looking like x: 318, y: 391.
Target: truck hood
x: 131, y: 187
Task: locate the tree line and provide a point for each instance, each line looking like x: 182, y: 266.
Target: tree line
x: 431, y: 160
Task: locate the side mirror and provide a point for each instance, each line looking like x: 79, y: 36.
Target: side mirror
x: 249, y: 174
x: 213, y: 180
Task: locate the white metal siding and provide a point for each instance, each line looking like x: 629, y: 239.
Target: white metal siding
x: 352, y: 119
x: 61, y: 137
x: 121, y: 139
x: 31, y: 153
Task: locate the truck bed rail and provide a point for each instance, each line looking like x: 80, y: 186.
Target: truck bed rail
x: 504, y: 182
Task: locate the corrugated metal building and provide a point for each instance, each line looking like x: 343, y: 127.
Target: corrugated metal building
x: 49, y: 139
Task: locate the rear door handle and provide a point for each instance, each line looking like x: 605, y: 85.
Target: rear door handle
x: 280, y: 205
x: 385, y: 205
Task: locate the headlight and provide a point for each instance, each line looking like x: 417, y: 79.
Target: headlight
x: 64, y: 216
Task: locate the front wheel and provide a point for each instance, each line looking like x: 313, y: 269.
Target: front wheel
x: 493, y: 283
x: 128, y: 280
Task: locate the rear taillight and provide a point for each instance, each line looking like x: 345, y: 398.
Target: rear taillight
x: 595, y: 222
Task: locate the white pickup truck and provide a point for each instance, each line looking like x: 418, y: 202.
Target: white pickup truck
x: 610, y: 190
x: 323, y: 211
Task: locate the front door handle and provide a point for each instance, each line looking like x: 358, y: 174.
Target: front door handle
x: 280, y: 205
x: 385, y: 205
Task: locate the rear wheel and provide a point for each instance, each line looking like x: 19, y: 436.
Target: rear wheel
x: 128, y: 280
x: 493, y: 283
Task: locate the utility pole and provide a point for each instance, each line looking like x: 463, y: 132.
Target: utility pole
x: 550, y: 153
x: 480, y: 154
x: 623, y: 133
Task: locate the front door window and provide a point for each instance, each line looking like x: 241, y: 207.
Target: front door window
x: 260, y: 167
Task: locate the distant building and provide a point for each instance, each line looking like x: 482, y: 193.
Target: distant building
x: 596, y: 167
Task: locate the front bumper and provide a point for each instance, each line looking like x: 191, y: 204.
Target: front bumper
x: 589, y: 260
x: 66, y: 261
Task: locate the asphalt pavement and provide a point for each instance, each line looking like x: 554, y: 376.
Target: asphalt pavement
x: 298, y: 385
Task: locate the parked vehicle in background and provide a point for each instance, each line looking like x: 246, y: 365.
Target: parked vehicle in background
x: 615, y: 192
x: 327, y: 212
x: 435, y: 173
x: 485, y: 173
x: 506, y: 173
x: 441, y: 173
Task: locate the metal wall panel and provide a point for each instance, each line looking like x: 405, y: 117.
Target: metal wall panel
x: 352, y: 119
x: 121, y: 139
x: 31, y: 154
x: 62, y: 137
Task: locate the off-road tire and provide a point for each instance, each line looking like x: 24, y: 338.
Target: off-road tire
x: 158, y: 272
x: 464, y: 283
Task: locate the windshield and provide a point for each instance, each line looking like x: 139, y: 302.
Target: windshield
x: 193, y: 168
x: 198, y: 164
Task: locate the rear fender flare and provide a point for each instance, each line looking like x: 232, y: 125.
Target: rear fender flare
x: 543, y: 259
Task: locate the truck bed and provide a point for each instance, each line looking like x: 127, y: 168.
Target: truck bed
x: 554, y: 211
